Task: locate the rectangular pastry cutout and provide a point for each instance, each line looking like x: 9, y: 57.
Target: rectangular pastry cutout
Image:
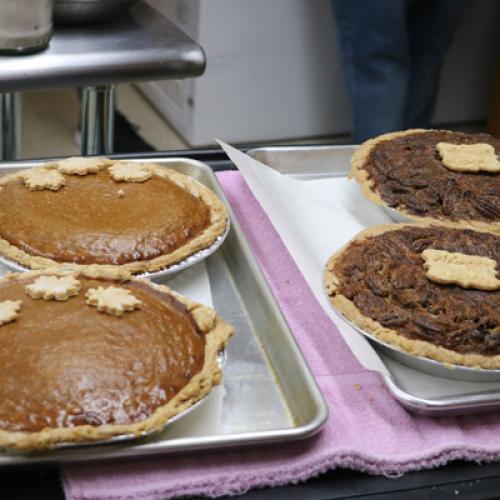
x: 469, y: 157
x: 466, y: 271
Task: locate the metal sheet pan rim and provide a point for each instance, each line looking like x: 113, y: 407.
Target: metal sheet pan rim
x: 450, y: 405
x: 303, y: 149
x: 125, y: 450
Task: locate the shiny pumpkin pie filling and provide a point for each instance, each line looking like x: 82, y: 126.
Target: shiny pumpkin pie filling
x: 64, y: 364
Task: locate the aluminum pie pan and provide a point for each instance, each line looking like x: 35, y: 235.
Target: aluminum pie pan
x: 396, y: 215
x: 427, y: 365
x: 126, y: 438
x: 189, y: 261
x: 431, y: 366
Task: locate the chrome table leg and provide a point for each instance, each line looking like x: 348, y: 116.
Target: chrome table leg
x: 10, y: 125
x: 97, y: 119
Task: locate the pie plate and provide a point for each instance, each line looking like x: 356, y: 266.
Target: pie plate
x: 427, y: 365
x: 190, y: 260
x: 396, y: 215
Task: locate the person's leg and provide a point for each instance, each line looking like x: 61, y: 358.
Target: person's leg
x: 431, y: 26
x: 374, y: 51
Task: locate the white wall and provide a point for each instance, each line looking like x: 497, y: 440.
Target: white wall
x: 273, y: 70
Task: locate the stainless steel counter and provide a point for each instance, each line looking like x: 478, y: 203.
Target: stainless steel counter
x: 140, y: 45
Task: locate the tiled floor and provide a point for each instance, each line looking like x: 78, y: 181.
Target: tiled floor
x: 50, y: 122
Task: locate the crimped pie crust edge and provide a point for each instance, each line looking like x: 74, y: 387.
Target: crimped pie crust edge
x: 217, y: 333
x: 414, y: 347
x: 218, y: 223
x: 357, y: 171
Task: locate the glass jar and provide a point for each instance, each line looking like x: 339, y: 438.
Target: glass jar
x: 25, y: 25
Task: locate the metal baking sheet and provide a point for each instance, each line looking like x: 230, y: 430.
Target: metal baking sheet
x: 425, y: 392
x: 268, y: 393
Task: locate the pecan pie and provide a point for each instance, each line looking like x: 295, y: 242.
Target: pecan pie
x: 82, y: 211
x: 412, y: 172
x: 98, y: 354
x: 384, y: 283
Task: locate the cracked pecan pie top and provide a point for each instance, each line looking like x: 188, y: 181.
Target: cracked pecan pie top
x: 405, y: 171
x: 378, y: 281
x: 83, y: 211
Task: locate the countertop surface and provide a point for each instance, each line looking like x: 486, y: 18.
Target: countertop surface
x: 140, y: 45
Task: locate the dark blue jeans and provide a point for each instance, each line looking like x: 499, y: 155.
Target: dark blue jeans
x: 392, y: 51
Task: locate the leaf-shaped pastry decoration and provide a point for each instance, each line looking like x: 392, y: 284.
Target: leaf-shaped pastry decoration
x: 38, y: 179
x: 9, y: 310
x: 53, y: 288
x: 112, y: 300
x: 82, y: 166
x: 130, y: 172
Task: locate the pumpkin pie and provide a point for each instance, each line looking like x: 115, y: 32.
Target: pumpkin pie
x: 428, y: 290
x: 426, y: 175
x: 86, y: 211
x: 97, y: 353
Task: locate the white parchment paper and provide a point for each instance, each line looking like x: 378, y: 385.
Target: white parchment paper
x: 299, y: 210
x: 192, y: 282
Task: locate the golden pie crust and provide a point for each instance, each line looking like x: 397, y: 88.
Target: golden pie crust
x: 357, y: 171
x: 218, y: 217
x: 390, y: 336
x: 215, y: 330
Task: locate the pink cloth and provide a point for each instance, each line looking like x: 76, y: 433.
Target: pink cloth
x: 367, y: 430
